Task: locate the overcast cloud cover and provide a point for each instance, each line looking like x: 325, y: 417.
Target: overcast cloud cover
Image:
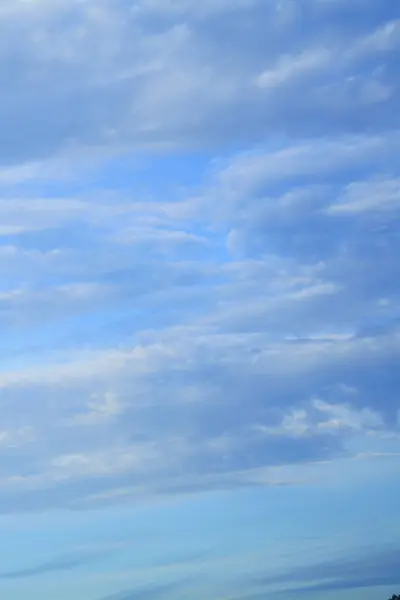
x: 199, y: 299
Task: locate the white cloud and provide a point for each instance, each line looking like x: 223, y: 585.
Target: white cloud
x: 384, y: 39
x: 107, y: 462
x: 290, y: 67
x: 161, y: 237
x: 203, y: 395
x: 246, y: 172
x: 367, y: 196
x: 168, y: 341
x: 14, y: 438
x: 99, y: 409
x: 320, y: 416
x: 164, y: 76
x: 341, y: 416
x: 187, y: 7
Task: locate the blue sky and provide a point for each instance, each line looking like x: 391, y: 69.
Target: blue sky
x: 199, y: 299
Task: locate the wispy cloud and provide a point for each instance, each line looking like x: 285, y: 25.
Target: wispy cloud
x: 57, y: 564
x: 199, y: 216
x: 156, y: 590
x: 160, y: 77
x: 369, y: 569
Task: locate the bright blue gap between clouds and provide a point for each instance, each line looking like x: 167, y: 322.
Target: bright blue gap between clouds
x: 147, y: 174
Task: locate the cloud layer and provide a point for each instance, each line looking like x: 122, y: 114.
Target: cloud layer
x: 170, y: 74
x: 225, y: 329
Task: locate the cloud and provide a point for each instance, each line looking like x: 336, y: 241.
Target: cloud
x: 156, y: 590
x: 290, y: 67
x: 173, y: 75
x: 57, y: 564
x: 189, y: 413
x: 368, y: 196
x: 99, y: 409
x: 13, y: 438
x: 325, y: 214
x: 370, y: 569
x: 199, y: 217
x: 320, y: 416
x: 229, y: 331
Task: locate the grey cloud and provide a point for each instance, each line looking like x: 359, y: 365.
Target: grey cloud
x: 188, y: 558
x: 55, y: 565
x: 375, y: 568
x: 156, y: 590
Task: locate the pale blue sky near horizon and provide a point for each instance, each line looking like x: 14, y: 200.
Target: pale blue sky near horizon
x: 199, y: 299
